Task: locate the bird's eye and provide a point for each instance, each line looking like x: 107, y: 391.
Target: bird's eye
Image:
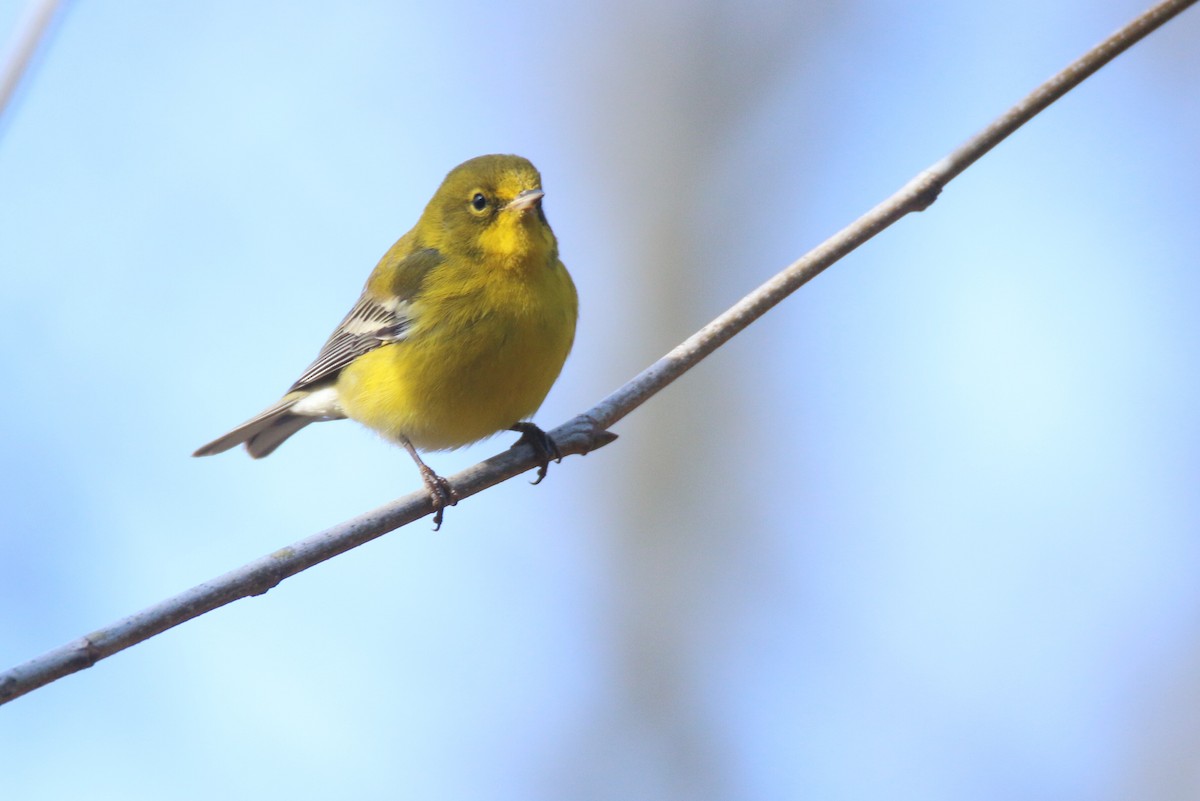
x: 479, y: 202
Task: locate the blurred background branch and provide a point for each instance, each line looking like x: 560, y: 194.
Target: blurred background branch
x: 29, y: 37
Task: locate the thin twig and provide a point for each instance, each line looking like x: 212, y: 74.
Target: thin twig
x: 587, y: 431
x: 24, y: 46
x: 916, y: 195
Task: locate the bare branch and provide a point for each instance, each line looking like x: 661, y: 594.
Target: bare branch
x: 916, y: 195
x: 587, y: 431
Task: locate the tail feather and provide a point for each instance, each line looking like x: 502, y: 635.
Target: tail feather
x: 263, y: 433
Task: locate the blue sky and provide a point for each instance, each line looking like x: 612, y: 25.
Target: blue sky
x: 926, y: 531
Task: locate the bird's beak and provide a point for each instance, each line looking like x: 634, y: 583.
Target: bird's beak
x: 526, y: 200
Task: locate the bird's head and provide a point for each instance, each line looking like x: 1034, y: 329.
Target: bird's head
x: 491, y: 208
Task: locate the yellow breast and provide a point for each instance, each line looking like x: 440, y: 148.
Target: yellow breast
x: 482, y: 354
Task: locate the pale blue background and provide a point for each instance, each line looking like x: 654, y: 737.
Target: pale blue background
x: 930, y: 530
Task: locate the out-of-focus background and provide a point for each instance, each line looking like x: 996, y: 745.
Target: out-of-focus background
x: 930, y: 530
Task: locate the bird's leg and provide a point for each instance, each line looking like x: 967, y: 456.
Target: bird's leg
x: 543, y: 446
x: 441, y: 494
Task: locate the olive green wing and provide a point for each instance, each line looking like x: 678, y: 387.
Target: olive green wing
x: 374, y: 321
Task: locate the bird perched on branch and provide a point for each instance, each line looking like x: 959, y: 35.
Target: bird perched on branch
x: 460, y: 332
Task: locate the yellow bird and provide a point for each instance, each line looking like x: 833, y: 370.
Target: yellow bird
x: 460, y: 332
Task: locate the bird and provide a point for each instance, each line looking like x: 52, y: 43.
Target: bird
x: 460, y: 332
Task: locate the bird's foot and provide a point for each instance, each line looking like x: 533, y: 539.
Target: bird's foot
x: 543, y: 446
x: 441, y: 494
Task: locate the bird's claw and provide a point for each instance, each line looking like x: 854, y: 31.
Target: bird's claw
x: 441, y: 494
x: 544, y: 447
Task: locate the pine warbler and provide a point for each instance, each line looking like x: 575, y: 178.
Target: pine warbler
x: 460, y: 332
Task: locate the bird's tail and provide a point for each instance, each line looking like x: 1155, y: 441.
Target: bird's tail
x: 264, y: 432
